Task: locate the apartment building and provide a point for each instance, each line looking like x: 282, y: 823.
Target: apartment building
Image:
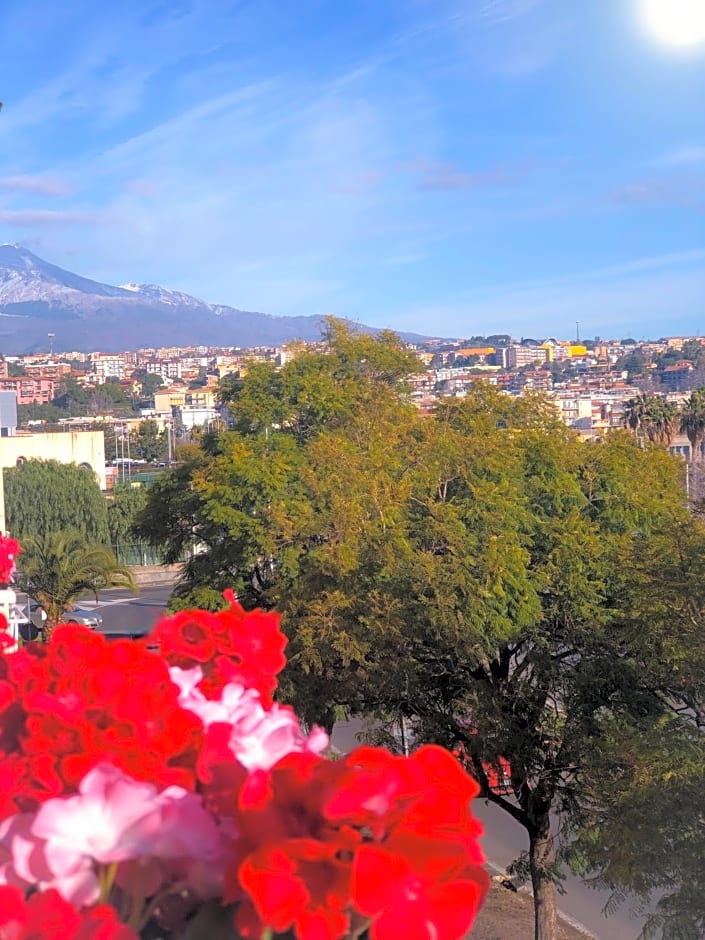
x: 518, y: 356
x: 47, y: 369
x: 107, y: 365
x: 29, y: 391
x: 166, y: 368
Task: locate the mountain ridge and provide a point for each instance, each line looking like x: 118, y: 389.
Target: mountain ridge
x: 38, y: 298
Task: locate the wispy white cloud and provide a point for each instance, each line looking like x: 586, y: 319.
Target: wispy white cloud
x: 31, y: 217
x: 504, y: 11
x: 214, y: 148
x: 442, y: 176
x: 510, y: 38
x: 692, y: 258
x: 39, y: 185
x: 687, y: 192
x: 685, y: 156
x: 635, y: 298
x: 105, y: 64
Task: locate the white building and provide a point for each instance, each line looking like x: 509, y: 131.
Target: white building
x: 108, y: 366
x: 191, y: 416
x: 167, y: 368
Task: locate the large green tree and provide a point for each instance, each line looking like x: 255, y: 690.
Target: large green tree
x: 57, y: 568
x: 504, y: 587
x: 48, y: 496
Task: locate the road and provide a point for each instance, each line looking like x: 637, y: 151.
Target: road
x: 122, y: 612
x: 503, y: 841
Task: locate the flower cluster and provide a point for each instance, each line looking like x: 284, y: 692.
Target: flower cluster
x: 229, y: 646
x: 370, y: 840
x: 9, y: 550
x: 47, y: 916
x: 161, y: 791
x: 81, y: 701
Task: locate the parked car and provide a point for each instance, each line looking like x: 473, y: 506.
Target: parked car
x: 79, y: 615
x: 86, y: 618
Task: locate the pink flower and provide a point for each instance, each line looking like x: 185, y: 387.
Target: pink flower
x: 259, y: 737
x: 17, y: 844
x: 112, y: 819
x: 27, y: 861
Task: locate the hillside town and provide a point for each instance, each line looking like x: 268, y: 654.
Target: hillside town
x: 104, y: 399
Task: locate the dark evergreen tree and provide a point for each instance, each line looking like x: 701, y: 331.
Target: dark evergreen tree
x: 43, y: 496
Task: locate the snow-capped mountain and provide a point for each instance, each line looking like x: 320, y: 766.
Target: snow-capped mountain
x: 162, y: 294
x: 37, y: 298
x: 25, y: 277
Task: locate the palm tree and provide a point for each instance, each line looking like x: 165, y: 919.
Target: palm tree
x: 660, y: 424
x: 59, y: 567
x: 653, y: 416
x: 692, y: 421
x: 635, y: 411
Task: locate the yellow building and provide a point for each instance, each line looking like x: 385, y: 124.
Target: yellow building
x: 167, y: 398
x: 201, y: 397
x: 476, y: 351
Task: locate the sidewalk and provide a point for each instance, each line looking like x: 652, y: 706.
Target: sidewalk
x: 145, y: 575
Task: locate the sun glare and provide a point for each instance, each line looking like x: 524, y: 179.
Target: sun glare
x: 675, y: 22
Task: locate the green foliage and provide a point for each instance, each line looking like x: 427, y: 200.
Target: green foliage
x: 57, y: 568
x: 652, y: 416
x: 315, y: 391
x: 48, y: 496
x: 76, y: 401
x: 485, y: 573
x: 124, y: 506
x: 71, y: 395
x: 148, y: 442
x: 49, y: 413
x: 692, y: 421
x: 149, y: 382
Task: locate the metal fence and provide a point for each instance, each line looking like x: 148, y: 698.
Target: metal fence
x: 136, y: 554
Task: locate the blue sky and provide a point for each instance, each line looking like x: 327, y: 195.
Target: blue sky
x: 454, y: 167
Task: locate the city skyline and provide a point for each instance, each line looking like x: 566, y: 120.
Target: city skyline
x: 449, y: 168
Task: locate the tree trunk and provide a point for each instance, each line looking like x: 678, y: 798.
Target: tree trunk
x: 542, y: 856
x: 48, y: 627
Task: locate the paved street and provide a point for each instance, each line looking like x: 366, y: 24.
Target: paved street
x: 123, y: 612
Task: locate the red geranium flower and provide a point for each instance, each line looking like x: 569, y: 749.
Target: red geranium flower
x: 417, y: 888
x: 299, y: 883
x: 232, y: 645
x: 47, y: 916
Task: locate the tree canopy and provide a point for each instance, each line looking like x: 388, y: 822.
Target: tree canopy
x: 47, y: 496
x: 536, y: 601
